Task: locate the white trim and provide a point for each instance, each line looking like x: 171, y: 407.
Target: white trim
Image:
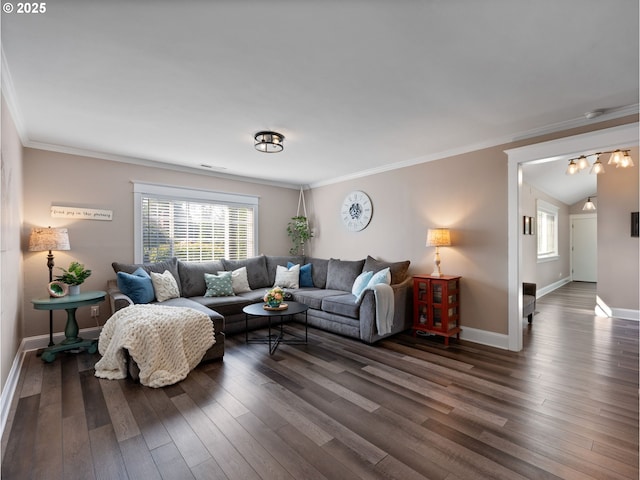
x: 189, y: 193
x: 542, y: 291
x: 484, y: 337
x: 603, y: 310
x: 618, y: 137
x: 9, y: 389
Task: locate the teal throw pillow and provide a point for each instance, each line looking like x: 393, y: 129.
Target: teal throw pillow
x: 219, y: 285
x: 306, y: 280
x: 137, y: 286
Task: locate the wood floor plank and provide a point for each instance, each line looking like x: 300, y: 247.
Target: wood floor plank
x: 48, y: 461
x: 170, y: 463
x: 138, y: 459
x: 154, y: 432
x: 76, y: 448
x: 106, y: 455
x: 19, y: 455
x: 124, y: 424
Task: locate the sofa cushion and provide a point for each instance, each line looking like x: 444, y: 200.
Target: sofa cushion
x: 274, y: 260
x: 158, y: 267
x: 219, y: 285
x: 256, y: 270
x: 342, y: 273
x: 137, y: 286
x: 226, y: 306
x: 192, y: 276
x: 341, y: 305
x: 319, y: 267
x: 314, y: 296
x: 287, y: 277
x: 165, y: 285
x: 398, y: 269
x: 305, y: 279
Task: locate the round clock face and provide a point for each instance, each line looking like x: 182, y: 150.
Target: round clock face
x: 356, y: 211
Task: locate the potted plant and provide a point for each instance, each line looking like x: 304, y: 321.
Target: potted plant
x: 299, y: 232
x: 74, y: 276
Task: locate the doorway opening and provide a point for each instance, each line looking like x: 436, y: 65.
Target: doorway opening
x: 545, y: 151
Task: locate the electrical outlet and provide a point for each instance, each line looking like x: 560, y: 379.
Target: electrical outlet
x: 95, y: 311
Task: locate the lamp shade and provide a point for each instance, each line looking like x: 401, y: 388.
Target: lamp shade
x: 42, y: 239
x: 438, y: 237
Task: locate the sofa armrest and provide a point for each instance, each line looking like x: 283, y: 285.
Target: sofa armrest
x: 117, y: 299
x: 402, y: 318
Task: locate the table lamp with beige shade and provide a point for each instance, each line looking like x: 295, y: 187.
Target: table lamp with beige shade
x: 438, y: 237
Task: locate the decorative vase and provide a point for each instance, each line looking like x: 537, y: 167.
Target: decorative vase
x: 74, y: 289
x: 274, y: 303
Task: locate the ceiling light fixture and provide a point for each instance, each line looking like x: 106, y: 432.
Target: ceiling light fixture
x: 589, y: 206
x: 269, y: 142
x: 619, y: 158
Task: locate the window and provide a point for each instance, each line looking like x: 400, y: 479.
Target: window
x: 547, y: 230
x: 193, y: 225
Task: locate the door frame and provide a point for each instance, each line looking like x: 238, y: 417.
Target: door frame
x: 624, y: 136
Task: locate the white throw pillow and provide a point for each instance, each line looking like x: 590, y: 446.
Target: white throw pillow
x: 287, y: 277
x: 239, y: 280
x: 164, y: 285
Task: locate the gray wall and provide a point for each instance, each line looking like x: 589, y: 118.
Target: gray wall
x: 618, y: 257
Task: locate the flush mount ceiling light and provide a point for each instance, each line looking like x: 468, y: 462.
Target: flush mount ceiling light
x: 619, y: 158
x: 269, y: 142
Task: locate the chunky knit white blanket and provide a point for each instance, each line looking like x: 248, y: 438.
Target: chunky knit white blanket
x: 166, y: 343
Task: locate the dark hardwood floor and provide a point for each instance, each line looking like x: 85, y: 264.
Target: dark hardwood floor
x: 407, y: 408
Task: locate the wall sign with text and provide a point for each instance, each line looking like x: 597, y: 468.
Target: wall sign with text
x: 58, y: 211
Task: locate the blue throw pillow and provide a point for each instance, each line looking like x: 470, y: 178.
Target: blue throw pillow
x: 383, y: 276
x: 137, y: 286
x: 360, y: 284
x: 306, y: 280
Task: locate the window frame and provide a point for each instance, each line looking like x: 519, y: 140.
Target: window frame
x: 169, y: 192
x: 550, y: 210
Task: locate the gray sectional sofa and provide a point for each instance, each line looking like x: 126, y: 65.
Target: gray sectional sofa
x: 332, y: 306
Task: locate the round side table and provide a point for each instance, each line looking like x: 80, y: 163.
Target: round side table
x: 70, y: 303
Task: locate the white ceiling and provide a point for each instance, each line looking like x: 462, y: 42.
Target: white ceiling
x: 355, y: 86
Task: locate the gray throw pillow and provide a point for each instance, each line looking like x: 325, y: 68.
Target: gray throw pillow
x: 398, y: 269
x: 192, y: 276
x: 256, y: 270
x: 342, y: 273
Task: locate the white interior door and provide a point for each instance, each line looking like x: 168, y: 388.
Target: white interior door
x: 584, y: 248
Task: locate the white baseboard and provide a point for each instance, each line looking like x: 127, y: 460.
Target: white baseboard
x: 626, y: 314
x: 28, y: 344
x: 491, y: 339
x: 553, y: 286
x: 9, y: 389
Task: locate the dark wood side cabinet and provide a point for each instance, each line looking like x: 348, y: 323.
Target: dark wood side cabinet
x: 436, y: 305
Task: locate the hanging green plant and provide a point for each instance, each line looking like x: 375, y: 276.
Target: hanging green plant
x: 299, y: 232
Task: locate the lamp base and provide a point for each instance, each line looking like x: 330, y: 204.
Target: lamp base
x: 436, y: 260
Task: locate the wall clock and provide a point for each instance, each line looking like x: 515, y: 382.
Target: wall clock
x: 356, y: 211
